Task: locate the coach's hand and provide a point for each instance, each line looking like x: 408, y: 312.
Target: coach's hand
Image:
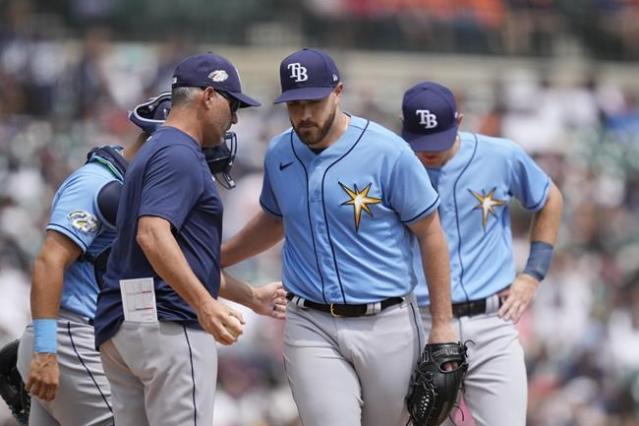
x: 44, y: 376
x: 518, y: 297
x: 222, y: 322
x: 270, y: 300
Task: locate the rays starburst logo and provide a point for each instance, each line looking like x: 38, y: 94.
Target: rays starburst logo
x: 360, y: 201
x: 487, y: 204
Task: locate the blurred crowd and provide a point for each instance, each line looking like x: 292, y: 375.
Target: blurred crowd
x: 604, y: 29
x: 60, y: 98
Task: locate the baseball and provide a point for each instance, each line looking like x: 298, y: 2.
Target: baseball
x: 234, y: 326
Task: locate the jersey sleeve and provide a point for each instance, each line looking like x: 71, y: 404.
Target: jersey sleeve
x: 173, y: 182
x: 411, y: 193
x: 528, y: 182
x: 73, y: 211
x: 268, y: 201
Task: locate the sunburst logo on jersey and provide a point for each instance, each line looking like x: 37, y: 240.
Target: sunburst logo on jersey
x: 360, y: 201
x: 486, y: 204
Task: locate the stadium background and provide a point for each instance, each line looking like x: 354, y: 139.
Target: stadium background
x: 557, y: 76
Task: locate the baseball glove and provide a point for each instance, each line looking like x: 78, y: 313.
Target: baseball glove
x: 433, y: 390
x: 11, y: 386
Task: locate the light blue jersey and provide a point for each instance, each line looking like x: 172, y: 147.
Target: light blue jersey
x: 475, y: 187
x: 75, y: 214
x: 345, y: 212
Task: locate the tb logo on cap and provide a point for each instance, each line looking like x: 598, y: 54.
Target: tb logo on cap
x: 426, y: 118
x: 298, y: 72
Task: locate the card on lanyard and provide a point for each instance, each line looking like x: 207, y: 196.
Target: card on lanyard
x: 138, y: 300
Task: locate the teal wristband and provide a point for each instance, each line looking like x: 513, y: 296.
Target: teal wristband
x: 45, y: 332
x: 539, y: 259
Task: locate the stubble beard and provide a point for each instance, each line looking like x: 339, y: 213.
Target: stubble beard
x: 310, y: 137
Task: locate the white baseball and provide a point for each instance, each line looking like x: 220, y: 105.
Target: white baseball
x: 232, y: 323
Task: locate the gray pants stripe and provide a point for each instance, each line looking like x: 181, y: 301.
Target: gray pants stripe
x: 186, y: 335
x: 106, y: 402
x: 418, y: 322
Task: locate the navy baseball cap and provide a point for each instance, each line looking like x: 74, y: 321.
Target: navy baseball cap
x: 307, y: 75
x: 212, y: 70
x: 429, y: 111
x: 151, y: 114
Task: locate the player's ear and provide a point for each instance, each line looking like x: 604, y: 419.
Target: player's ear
x: 459, y: 117
x: 339, y: 88
x: 208, y: 97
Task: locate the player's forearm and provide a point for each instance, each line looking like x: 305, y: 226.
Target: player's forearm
x: 434, y: 251
x: 46, y: 287
x: 237, y: 291
x: 165, y: 256
x: 545, y: 225
x: 262, y: 232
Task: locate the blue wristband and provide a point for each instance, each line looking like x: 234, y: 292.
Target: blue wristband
x: 539, y: 259
x: 45, y: 332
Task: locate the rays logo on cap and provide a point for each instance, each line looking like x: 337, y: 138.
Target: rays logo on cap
x: 298, y: 72
x: 426, y: 118
x: 219, y: 75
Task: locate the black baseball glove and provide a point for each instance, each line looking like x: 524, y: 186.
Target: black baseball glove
x: 11, y: 386
x: 433, y: 390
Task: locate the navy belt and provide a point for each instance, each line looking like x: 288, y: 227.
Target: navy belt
x: 477, y: 307
x: 346, y: 310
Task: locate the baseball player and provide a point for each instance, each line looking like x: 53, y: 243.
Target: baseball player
x: 158, y: 315
x: 56, y: 357
x: 476, y: 177
x: 341, y: 190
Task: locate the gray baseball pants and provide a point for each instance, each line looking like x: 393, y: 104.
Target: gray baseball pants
x: 352, y: 371
x: 161, y: 374
x: 84, y: 395
x: 496, y: 389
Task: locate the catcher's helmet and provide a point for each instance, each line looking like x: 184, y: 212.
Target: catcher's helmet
x: 220, y: 159
x: 151, y: 114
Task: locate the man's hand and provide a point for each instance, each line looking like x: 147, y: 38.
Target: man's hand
x: 225, y: 324
x: 44, y: 376
x: 518, y: 297
x: 270, y: 300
